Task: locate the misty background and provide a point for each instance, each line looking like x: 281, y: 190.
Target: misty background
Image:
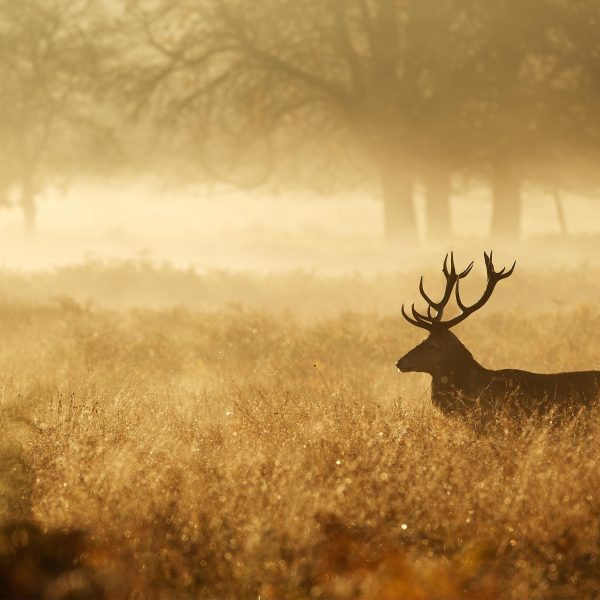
x: 328, y: 135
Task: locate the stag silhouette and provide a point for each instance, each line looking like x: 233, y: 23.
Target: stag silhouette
x: 461, y: 386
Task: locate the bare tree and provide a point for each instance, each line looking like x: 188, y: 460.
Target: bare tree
x: 529, y: 101
x: 336, y: 94
x: 314, y: 91
x: 48, y: 69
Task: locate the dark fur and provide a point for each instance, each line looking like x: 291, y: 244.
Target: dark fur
x: 461, y: 385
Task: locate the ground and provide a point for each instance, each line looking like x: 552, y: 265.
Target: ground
x: 269, y: 448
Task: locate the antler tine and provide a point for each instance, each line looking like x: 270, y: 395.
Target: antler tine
x: 445, y: 265
x: 510, y: 271
x: 422, y: 324
x: 466, y: 271
x: 503, y: 273
x: 467, y: 310
x: 489, y: 267
x: 493, y: 277
x: 425, y: 296
x: 458, y: 300
x: 418, y: 316
x: 446, y: 273
x: 451, y: 279
x: 433, y: 321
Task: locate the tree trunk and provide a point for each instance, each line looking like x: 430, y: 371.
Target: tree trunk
x: 28, y: 205
x: 560, y: 214
x: 506, y: 211
x: 400, y: 224
x: 438, y: 206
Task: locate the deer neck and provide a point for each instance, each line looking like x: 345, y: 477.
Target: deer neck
x: 460, y: 379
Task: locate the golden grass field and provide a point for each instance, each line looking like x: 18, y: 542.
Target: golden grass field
x: 189, y: 448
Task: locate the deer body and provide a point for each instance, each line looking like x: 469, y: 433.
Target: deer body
x: 519, y: 392
x: 460, y: 385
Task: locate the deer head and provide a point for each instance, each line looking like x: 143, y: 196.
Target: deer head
x: 442, y: 352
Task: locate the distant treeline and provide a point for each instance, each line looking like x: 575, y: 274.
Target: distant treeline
x: 325, y: 95
x: 303, y: 295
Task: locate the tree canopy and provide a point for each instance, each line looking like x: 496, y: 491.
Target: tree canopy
x: 328, y: 95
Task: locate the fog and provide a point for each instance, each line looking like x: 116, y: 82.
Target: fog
x: 205, y: 228
x: 275, y: 136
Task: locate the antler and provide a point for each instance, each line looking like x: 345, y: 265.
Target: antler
x: 434, y: 321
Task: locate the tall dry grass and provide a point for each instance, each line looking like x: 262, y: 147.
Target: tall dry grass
x: 201, y: 454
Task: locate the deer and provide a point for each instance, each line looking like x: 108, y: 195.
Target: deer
x: 461, y: 386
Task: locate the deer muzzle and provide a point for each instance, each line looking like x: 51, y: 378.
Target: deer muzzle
x: 405, y: 365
